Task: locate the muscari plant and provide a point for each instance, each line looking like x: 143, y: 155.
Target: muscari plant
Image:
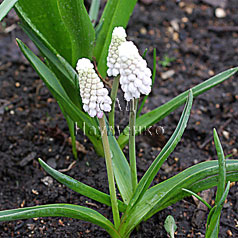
x: 139, y: 200
x: 64, y: 31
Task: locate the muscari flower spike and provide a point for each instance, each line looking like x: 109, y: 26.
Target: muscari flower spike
x: 135, y: 75
x: 92, y: 91
x: 118, y: 37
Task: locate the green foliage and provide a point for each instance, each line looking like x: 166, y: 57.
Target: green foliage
x: 44, y: 18
x: 63, y: 32
x: 60, y: 210
x: 166, y: 61
x: 145, y: 201
x: 79, y: 187
x: 78, y: 24
x: 213, y: 219
x: 84, y: 121
x: 93, y: 12
x: 170, y: 226
x: 5, y: 7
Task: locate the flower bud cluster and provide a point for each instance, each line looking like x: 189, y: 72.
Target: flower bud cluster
x: 135, y: 75
x: 92, y: 91
x: 118, y: 37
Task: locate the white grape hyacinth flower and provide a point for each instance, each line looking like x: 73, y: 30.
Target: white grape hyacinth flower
x: 118, y: 37
x: 92, y: 91
x: 135, y: 75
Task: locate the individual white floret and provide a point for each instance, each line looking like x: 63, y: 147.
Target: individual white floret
x: 94, y: 96
x: 118, y: 37
x: 135, y: 75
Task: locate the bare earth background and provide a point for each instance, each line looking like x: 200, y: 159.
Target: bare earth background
x: 32, y: 126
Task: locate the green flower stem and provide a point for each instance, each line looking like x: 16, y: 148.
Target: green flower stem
x: 110, y: 174
x: 111, y: 115
x: 132, y: 145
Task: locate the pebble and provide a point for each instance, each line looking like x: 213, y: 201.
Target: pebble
x: 174, y: 24
x: 143, y: 31
x: 229, y: 233
x: 234, y: 151
x: 17, y: 84
x: 167, y: 74
x: 226, y: 134
x: 48, y: 181
x: 30, y: 226
x: 220, y: 12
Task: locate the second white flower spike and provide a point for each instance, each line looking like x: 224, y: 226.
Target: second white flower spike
x: 135, y: 75
x: 118, y: 37
x: 92, y: 91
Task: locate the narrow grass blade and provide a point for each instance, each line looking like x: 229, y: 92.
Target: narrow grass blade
x: 79, y: 187
x: 213, y: 225
x: 93, y: 12
x: 222, y: 168
x: 5, y: 7
x: 198, y: 197
x: 60, y: 210
x: 161, y: 112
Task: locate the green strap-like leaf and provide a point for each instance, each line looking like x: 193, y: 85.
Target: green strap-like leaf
x: 198, y: 197
x: 213, y: 224
x: 121, y: 168
x: 58, y: 66
x: 161, y: 112
x: 79, y: 187
x: 222, y: 168
x: 5, y: 7
x: 93, y: 12
x: 84, y: 121
x: 196, y: 178
x: 116, y: 13
x: 44, y: 17
x: 78, y: 24
x: 60, y: 210
x: 163, y: 155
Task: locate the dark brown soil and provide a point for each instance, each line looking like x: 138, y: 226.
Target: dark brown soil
x: 32, y: 126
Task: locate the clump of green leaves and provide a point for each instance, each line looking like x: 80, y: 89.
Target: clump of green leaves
x: 166, y: 61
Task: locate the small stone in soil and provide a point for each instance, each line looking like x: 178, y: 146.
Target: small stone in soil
x: 48, y: 181
x: 220, y: 13
x: 167, y: 74
x: 30, y: 226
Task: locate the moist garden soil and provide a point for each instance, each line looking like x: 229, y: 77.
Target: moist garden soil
x: 32, y: 126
